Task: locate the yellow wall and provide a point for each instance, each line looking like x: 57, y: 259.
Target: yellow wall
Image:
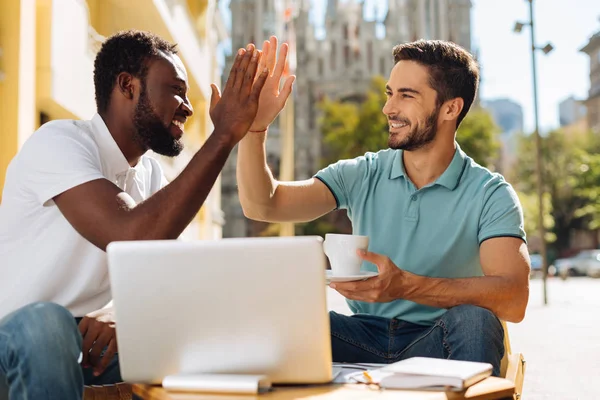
x: 9, y: 87
x: 17, y: 89
x: 42, y: 70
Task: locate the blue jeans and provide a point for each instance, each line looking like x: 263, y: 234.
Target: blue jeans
x: 40, y: 350
x: 463, y: 333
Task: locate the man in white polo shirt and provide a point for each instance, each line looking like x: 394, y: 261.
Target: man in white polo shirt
x: 76, y: 186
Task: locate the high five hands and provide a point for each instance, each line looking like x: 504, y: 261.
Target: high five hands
x: 272, y: 99
x: 233, y: 111
x: 251, y: 98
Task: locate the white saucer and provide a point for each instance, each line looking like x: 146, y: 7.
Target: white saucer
x: 361, y: 276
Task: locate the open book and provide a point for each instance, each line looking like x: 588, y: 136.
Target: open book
x: 430, y: 373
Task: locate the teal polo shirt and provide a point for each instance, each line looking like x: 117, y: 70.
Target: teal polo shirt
x: 435, y: 231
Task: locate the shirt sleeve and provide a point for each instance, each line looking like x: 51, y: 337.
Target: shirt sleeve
x: 55, y: 160
x: 345, y: 178
x: 502, y: 214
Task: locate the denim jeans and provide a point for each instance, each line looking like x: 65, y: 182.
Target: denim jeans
x: 463, y: 333
x: 40, y: 351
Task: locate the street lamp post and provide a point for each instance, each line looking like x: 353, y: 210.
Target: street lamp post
x: 538, y: 144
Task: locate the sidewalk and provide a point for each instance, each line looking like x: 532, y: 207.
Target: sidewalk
x: 560, y: 341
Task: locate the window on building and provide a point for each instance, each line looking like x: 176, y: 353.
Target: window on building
x: 437, y: 18
x: 382, y: 66
x: 311, y: 111
x: 346, y: 55
x: 345, y: 31
x: 370, y: 56
x: 320, y: 66
x: 428, y: 20
x: 332, y: 56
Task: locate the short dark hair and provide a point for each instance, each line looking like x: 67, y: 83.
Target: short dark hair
x: 126, y: 51
x: 453, y: 71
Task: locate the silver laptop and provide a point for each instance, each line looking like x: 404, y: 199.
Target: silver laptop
x: 233, y: 306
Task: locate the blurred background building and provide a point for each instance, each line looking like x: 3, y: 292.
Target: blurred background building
x: 47, y: 50
x: 572, y: 115
x: 508, y: 115
x: 571, y: 110
x: 254, y: 21
x: 592, y: 49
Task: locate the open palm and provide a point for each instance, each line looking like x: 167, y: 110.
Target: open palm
x: 272, y: 99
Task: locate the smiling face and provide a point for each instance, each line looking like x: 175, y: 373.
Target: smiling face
x: 163, y: 107
x: 411, y: 107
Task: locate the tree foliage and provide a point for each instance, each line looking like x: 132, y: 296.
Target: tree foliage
x: 478, y: 137
x: 351, y: 129
x: 571, y: 176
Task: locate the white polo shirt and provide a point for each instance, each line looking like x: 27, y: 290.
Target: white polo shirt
x: 42, y: 257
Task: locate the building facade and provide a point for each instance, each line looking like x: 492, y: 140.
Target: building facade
x: 508, y: 115
x: 592, y: 49
x: 571, y: 110
x: 252, y: 21
x: 46, y: 70
x: 338, y: 66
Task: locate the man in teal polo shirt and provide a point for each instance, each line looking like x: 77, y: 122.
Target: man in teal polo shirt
x: 446, y: 234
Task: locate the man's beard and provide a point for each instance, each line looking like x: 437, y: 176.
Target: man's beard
x: 419, y: 137
x: 150, y: 130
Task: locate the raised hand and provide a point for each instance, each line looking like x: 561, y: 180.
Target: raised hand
x: 272, y: 100
x: 233, y: 112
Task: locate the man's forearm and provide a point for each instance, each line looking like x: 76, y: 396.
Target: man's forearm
x: 255, y: 180
x: 503, y: 296
x: 168, y: 212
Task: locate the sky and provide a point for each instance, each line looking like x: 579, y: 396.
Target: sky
x: 505, y: 56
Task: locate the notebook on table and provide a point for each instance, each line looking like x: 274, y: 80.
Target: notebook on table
x: 428, y: 373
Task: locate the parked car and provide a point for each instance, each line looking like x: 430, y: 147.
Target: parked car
x: 586, y: 262
x: 536, y: 266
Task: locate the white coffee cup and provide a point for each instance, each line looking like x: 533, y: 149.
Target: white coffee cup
x: 341, y: 251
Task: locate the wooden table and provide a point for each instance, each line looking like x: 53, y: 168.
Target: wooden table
x: 489, y: 389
